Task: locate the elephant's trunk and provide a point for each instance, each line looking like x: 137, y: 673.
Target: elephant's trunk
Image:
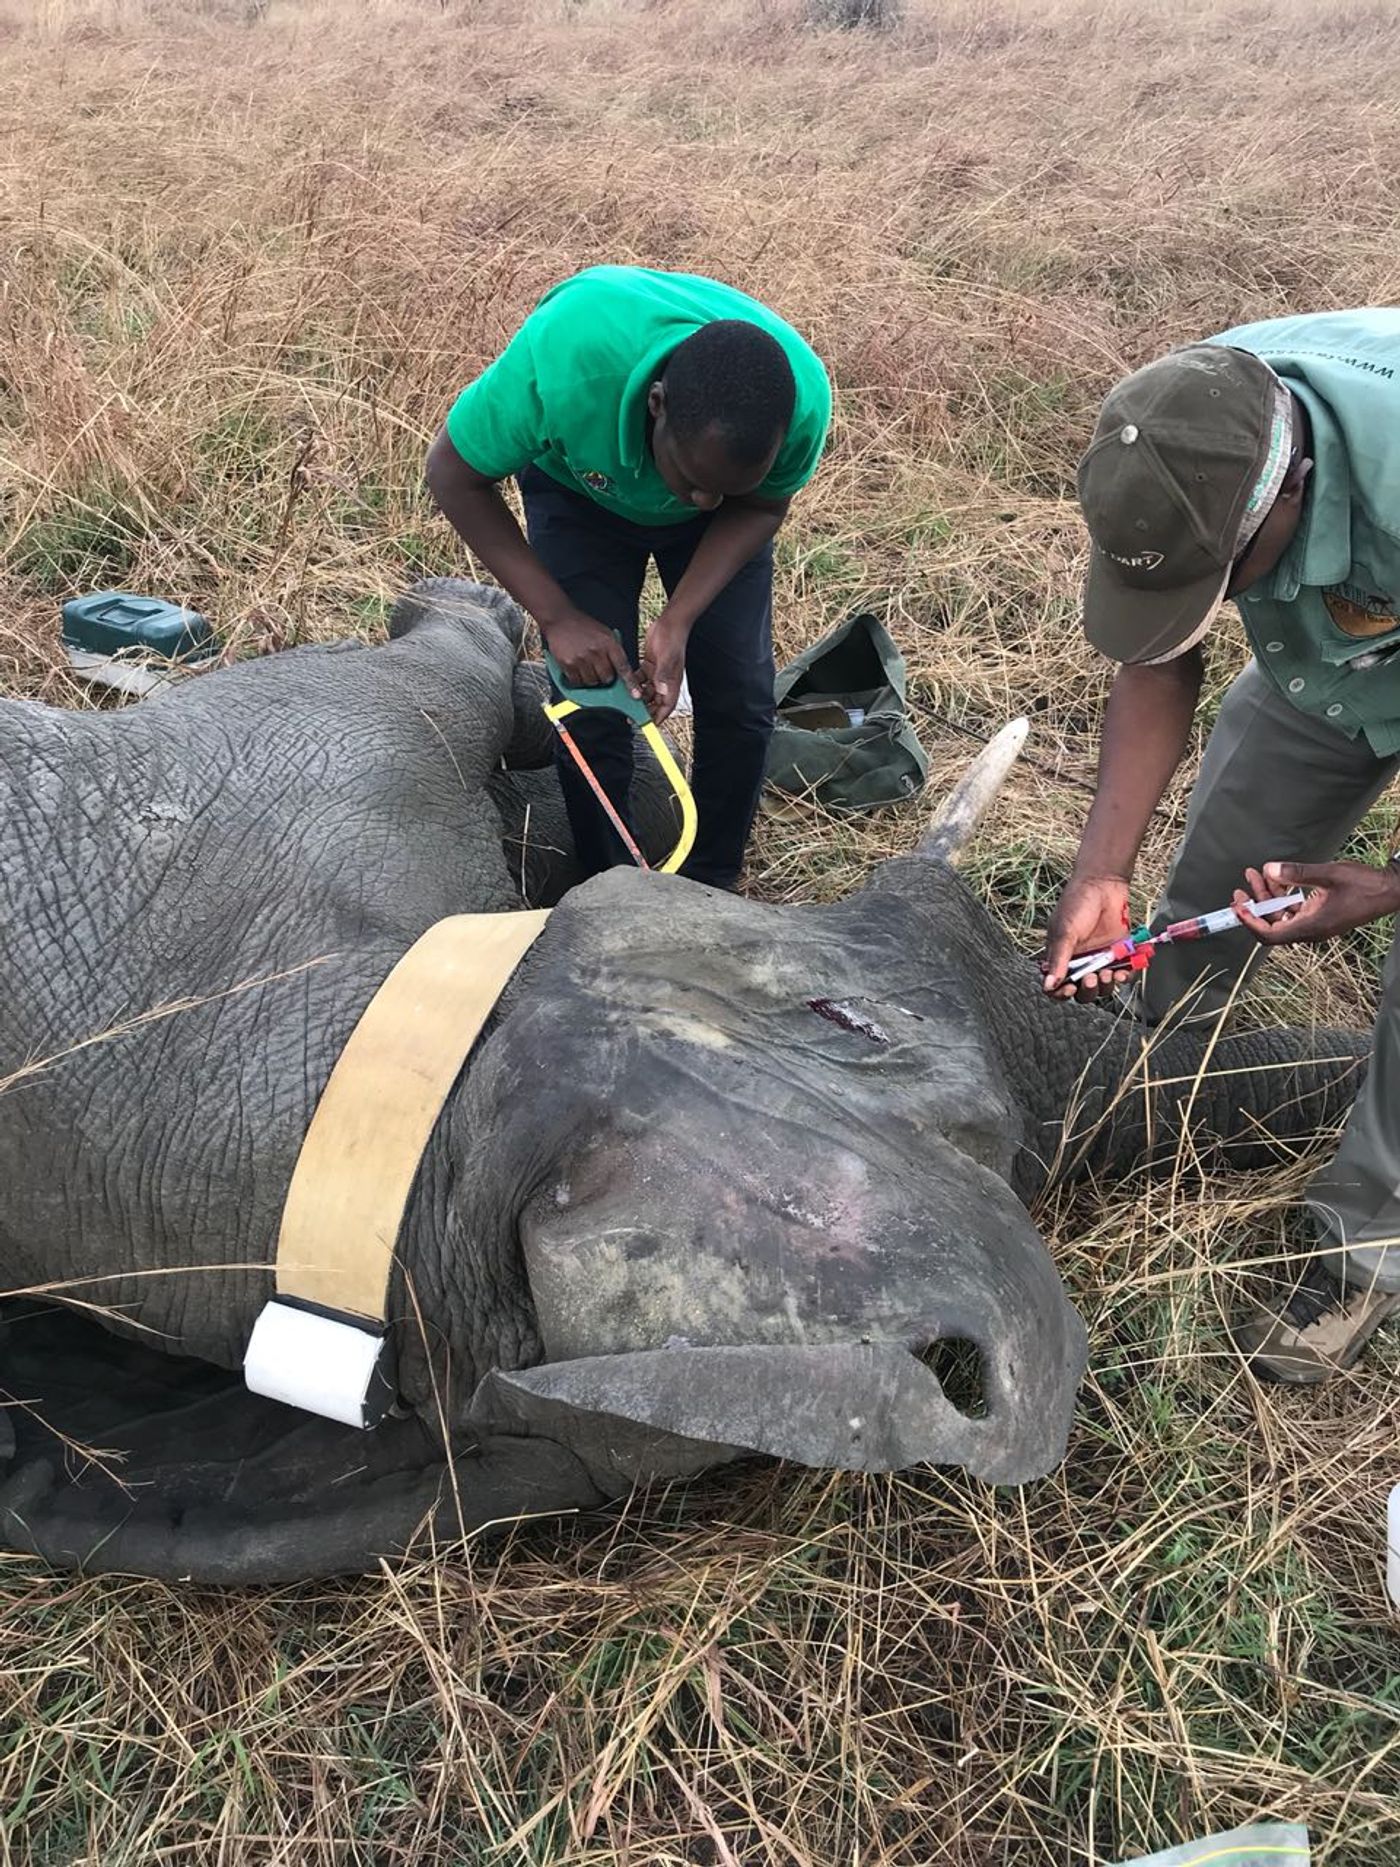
x: 1245, y: 1101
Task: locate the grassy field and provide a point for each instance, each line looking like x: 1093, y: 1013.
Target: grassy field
x: 248, y: 251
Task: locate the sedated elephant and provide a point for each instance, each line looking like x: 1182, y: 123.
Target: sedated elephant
x: 718, y: 1178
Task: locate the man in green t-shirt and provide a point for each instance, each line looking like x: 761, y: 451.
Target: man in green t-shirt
x: 645, y: 415
x: 1262, y: 466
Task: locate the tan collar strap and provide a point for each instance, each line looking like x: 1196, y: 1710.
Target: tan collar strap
x: 357, y: 1165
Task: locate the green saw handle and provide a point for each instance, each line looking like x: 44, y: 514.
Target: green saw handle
x: 614, y: 696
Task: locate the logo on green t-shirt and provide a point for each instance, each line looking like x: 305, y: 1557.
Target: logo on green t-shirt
x: 596, y: 482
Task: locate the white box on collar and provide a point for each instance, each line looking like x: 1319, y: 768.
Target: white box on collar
x: 324, y: 1364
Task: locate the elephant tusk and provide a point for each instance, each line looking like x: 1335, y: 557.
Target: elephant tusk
x: 973, y: 795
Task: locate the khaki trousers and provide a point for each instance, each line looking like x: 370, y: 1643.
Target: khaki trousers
x: 1279, y: 784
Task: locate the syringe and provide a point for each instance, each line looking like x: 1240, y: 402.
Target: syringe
x: 1134, y: 950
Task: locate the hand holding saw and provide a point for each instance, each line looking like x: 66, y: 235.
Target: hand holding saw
x: 615, y: 698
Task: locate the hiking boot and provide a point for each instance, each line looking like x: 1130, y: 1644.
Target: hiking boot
x: 1313, y: 1328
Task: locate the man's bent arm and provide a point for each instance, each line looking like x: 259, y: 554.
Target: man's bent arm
x: 474, y: 508
x: 737, y: 532
x: 1146, y: 728
x: 589, y: 654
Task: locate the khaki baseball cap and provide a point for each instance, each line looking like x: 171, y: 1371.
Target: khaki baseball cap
x: 1187, y: 458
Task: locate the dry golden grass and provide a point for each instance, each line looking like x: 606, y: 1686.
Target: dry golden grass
x: 249, y: 252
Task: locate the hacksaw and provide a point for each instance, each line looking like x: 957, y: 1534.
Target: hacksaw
x: 614, y: 697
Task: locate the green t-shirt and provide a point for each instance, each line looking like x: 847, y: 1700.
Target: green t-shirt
x: 1325, y: 623
x: 569, y: 392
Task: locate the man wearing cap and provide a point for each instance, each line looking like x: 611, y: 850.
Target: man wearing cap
x: 1262, y: 466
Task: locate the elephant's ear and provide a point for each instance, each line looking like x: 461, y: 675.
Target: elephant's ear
x: 869, y: 1407
x: 531, y: 746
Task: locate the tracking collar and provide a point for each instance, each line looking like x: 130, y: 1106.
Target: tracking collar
x: 321, y: 1343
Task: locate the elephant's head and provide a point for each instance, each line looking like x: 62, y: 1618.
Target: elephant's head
x: 770, y: 1187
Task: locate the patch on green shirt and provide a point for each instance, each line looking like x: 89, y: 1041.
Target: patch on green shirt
x: 569, y: 392
x: 1325, y: 624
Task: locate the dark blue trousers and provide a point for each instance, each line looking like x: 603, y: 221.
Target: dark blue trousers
x: 601, y: 561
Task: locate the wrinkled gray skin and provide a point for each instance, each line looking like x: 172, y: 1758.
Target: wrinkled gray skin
x: 671, y: 1211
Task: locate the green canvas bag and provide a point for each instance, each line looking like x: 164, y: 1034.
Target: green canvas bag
x: 843, y: 737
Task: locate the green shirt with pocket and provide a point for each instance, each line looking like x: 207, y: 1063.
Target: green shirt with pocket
x: 1325, y: 623
x: 569, y: 392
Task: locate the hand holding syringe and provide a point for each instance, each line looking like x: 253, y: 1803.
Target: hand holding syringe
x: 1135, y: 950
